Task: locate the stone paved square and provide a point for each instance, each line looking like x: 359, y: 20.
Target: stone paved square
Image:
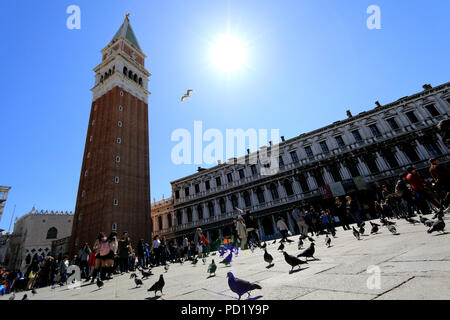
x: 414, y: 265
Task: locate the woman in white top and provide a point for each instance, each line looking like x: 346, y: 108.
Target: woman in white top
x: 281, y: 225
x: 156, y: 246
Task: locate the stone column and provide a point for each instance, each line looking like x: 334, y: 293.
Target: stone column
x: 311, y: 182
x: 296, y: 186
x: 261, y: 229
x: 381, y: 162
x: 402, y: 159
x: 241, y: 202
x: 422, y: 151
x: 327, y: 176
x: 217, y: 211
x: 280, y: 188
x: 253, y: 197
x: 345, y: 173
x: 220, y: 233
x: 267, y: 194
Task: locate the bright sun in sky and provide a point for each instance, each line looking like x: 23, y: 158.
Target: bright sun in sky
x: 228, y: 53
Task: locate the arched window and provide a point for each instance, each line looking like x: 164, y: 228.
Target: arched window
x: 247, y: 200
x: 200, y: 212
x: 114, y: 69
x: 288, y: 187
x: 101, y: 79
x: 52, y: 233
x: 274, y: 191
x: 222, y: 205
x: 189, y: 214
x: 140, y: 81
x: 125, y: 70
x: 260, y: 195
x: 211, y: 209
x: 135, y: 78
x: 130, y: 74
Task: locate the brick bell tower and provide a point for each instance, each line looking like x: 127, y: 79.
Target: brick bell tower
x: 114, y: 188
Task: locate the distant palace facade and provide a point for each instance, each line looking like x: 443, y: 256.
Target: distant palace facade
x: 354, y: 156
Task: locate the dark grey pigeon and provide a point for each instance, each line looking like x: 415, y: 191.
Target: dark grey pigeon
x: 241, y: 286
x: 99, y: 283
x: 281, y: 247
x: 300, y: 244
x: 158, y: 285
x: 137, y: 281
x: 267, y: 257
x: 293, y: 261
x: 309, y: 252
x: 25, y: 297
x: 375, y: 227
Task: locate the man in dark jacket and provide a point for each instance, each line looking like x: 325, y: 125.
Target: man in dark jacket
x: 252, y: 228
x: 124, y: 249
x: 340, y: 212
x: 352, y: 209
x: 441, y: 177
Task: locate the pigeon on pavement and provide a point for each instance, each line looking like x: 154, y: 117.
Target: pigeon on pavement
x: 392, y: 228
x: 227, y: 259
x: 158, y: 285
x: 240, y: 286
x: 356, y: 233
x: 99, y: 283
x: 438, y: 226
x: 293, y: 261
x: 281, y: 247
x: 309, y: 252
x: 212, y: 268
x: 137, y: 281
x: 328, y: 241
x: 375, y: 227
x: 267, y: 257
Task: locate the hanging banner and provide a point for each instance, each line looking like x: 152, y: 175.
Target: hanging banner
x: 325, y: 192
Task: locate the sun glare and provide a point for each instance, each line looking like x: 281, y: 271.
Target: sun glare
x: 228, y: 53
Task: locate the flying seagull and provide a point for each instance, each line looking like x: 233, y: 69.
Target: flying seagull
x: 158, y: 285
x: 241, y: 286
x: 187, y: 95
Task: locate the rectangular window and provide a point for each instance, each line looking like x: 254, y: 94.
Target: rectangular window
x: 432, y: 110
x: 197, y: 188
x: 303, y: 182
x: 392, y: 123
x: 412, y: 117
x: 374, y: 129
x: 230, y: 177
x: 340, y: 141
x: 324, y: 147
x: 218, y: 182
x: 294, y: 157
x: 186, y: 191
x: 357, y: 136
x: 281, y: 162
x: 91, y: 138
x: 253, y: 168
x: 177, y: 194
x: 118, y: 140
x: 116, y: 179
x: 241, y: 173
x: 116, y: 202
x: 309, y: 152
x: 207, y: 185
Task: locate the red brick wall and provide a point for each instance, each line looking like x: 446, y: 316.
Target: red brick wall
x: 133, y: 191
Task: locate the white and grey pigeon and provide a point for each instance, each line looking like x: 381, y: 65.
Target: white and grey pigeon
x: 166, y: 267
x: 356, y: 233
x: 438, y: 226
x: 300, y: 244
x: 137, y: 281
x: 392, y: 228
x: 328, y: 241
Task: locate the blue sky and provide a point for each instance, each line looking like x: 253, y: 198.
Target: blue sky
x: 308, y: 62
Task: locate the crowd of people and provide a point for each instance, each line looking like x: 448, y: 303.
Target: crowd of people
x: 110, y: 255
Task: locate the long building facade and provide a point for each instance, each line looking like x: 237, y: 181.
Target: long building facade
x: 353, y: 157
x: 114, y: 188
